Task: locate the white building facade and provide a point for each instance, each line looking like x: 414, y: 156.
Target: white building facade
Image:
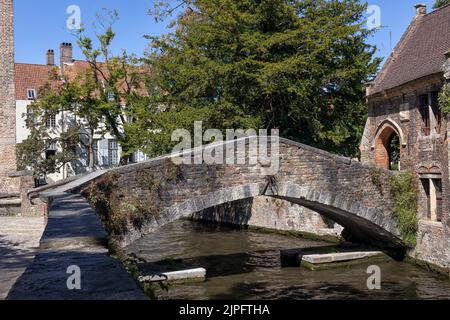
x: 30, y: 78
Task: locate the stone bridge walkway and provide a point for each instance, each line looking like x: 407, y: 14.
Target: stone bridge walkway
x: 73, y: 236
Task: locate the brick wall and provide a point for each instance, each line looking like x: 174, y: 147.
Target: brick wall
x: 421, y: 154
x: 7, y: 99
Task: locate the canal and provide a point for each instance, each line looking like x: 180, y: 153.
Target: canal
x: 245, y: 264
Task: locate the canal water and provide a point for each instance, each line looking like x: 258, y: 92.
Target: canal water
x: 245, y: 264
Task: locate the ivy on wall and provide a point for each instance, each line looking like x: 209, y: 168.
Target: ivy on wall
x: 404, y: 192
x: 444, y: 100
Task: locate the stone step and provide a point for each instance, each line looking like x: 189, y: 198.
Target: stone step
x: 183, y: 275
x: 339, y: 257
x: 10, y: 207
x: 317, y: 262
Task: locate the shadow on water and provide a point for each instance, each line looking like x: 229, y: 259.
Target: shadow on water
x: 244, y: 264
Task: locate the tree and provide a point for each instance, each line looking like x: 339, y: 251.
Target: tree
x: 105, y: 97
x: 72, y: 133
x: 440, y: 3
x: 298, y: 66
x: 115, y: 83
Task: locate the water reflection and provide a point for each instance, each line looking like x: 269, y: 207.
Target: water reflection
x: 243, y: 264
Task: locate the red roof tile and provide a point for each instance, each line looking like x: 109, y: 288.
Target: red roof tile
x: 33, y: 76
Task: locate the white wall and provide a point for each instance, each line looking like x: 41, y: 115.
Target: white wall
x: 62, y: 119
x: 22, y: 131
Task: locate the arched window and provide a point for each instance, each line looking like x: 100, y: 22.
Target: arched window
x: 387, y: 149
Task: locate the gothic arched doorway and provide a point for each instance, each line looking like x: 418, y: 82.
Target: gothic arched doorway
x: 387, y: 149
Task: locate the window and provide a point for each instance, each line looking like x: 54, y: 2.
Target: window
x: 434, y: 97
x: 31, y: 94
x: 113, y: 153
x: 106, y: 153
x: 430, y: 113
x: 425, y: 114
x: 433, y: 190
x: 139, y: 156
x: 51, y: 121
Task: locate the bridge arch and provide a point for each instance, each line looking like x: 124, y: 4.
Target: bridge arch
x: 367, y: 224
x: 341, y: 189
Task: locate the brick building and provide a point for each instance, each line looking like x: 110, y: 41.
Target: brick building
x: 406, y: 130
x: 7, y: 100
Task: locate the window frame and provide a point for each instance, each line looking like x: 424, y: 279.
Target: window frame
x: 113, y: 152
x: 424, y: 110
x: 50, y: 123
x: 33, y: 95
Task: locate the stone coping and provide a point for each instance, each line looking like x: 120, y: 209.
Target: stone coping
x: 74, y: 183
x: 10, y: 202
x: 9, y: 195
x: 431, y: 224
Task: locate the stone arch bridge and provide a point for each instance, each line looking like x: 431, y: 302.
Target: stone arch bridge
x: 135, y: 200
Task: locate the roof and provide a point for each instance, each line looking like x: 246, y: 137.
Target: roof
x: 36, y: 76
x: 33, y: 76
x: 419, y: 53
x: 76, y: 68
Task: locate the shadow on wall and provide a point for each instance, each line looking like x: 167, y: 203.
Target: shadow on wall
x: 238, y: 213
x: 270, y: 213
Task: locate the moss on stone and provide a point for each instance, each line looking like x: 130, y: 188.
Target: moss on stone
x: 428, y: 266
x: 444, y: 100
x: 130, y: 264
x: 405, y: 195
x: 376, y: 177
x: 120, y: 212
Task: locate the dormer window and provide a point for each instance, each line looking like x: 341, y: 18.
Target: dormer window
x: 31, y: 94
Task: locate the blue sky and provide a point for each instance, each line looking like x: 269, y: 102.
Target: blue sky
x: 41, y: 25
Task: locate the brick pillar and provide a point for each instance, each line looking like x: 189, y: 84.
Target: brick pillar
x: 7, y: 99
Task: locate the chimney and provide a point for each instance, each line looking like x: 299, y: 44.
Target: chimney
x: 50, y: 57
x: 66, y: 54
x: 421, y: 9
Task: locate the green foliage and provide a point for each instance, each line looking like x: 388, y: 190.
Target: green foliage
x: 444, y: 99
x: 114, y: 85
x: 440, y: 3
x: 120, y: 212
x: 294, y: 65
x: 95, y: 97
x: 404, y: 192
x: 131, y: 264
x: 31, y: 153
